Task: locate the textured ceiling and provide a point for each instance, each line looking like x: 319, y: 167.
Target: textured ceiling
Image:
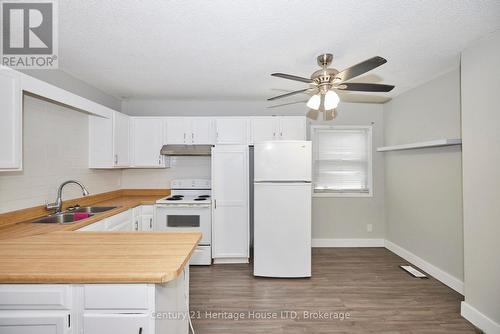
x: 227, y: 49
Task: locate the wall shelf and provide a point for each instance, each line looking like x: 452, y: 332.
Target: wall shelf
x: 424, y: 144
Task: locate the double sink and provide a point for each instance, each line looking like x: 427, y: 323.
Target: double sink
x: 73, y: 215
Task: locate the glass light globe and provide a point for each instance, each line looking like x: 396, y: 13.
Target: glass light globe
x: 314, y: 102
x: 331, y: 100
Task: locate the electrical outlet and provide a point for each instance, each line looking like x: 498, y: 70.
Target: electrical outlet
x: 369, y: 227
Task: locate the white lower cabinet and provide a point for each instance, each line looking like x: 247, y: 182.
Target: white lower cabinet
x: 35, y: 322
x: 140, y: 218
x: 116, y: 323
x: 96, y: 308
x: 95, y: 227
x: 147, y: 222
x: 144, y: 218
x: 230, y: 209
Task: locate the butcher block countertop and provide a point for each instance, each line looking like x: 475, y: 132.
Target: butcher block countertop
x: 96, y: 257
x: 57, y: 253
x: 16, y: 224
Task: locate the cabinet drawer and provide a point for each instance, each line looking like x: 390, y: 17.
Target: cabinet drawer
x: 118, y: 219
x: 34, y: 322
x: 147, y: 209
x: 116, y: 297
x: 98, y: 226
x: 123, y: 226
x: 116, y: 323
x: 35, y: 297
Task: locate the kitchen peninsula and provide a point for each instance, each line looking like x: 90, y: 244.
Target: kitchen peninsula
x: 63, y: 281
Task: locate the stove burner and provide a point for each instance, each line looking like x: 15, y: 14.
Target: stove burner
x: 204, y: 196
x: 174, y: 198
x: 200, y: 199
x: 179, y: 196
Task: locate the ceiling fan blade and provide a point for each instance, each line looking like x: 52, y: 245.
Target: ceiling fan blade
x: 360, y: 68
x: 291, y: 77
x: 364, y: 87
x: 288, y: 94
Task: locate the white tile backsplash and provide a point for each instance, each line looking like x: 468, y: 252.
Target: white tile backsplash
x: 55, y: 150
x: 181, y: 168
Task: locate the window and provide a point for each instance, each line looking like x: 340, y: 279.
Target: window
x: 342, y: 160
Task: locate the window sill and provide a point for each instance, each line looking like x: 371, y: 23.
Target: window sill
x: 353, y: 195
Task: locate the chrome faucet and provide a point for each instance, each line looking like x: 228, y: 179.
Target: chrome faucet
x: 58, y: 203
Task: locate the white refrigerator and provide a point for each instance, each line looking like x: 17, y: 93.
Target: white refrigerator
x: 282, y: 208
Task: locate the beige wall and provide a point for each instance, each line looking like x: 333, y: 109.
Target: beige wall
x: 481, y: 165
x: 55, y: 150
x: 347, y: 218
x: 423, y: 187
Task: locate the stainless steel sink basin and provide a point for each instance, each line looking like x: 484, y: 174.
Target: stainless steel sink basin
x: 93, y: 209
x: 73, y: 215
x: 61, y: 218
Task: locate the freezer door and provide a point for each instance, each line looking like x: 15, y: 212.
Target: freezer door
x: 282, y: 161
x: 282, y: 227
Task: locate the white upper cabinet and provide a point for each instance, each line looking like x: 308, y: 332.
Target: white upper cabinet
x: 146, y: 142
x: 11, y: 122
x: 177, y: 130
x: 121, y: 139
x: 264, y: 129
x: 292, y: 128
x: 202, y: 130
x: 278, y: 128
x: 101, y: 141
x: 109, y: 141
x: 231, y: 130
x: 189, y: 130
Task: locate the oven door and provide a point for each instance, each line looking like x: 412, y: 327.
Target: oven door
x: 184, y: 217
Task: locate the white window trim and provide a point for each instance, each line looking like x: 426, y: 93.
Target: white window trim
x: 370, y: 158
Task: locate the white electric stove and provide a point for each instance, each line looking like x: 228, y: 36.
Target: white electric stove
x: 188, y: 208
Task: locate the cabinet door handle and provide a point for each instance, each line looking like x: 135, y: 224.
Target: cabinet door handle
x: 281, y: 134
x: 116, y: 159
x: 159, y: 159
x: 215, y: 204
x: 140, y: 330
x: 151, y: 223
x: 136, y: 225
x: 192, y: 135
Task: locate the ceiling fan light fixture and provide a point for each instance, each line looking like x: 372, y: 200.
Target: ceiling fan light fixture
x: 331, y: 100
x: 314, y: 102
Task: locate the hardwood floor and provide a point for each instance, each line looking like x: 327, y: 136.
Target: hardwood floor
x: 364, y: 283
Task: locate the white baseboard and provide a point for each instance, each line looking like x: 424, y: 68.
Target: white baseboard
x: 231, y: 260
x: 442, y: 276
x: 348, y: 242
x: 479, y: 320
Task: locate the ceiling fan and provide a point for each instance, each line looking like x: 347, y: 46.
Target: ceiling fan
x: 324, y: 83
